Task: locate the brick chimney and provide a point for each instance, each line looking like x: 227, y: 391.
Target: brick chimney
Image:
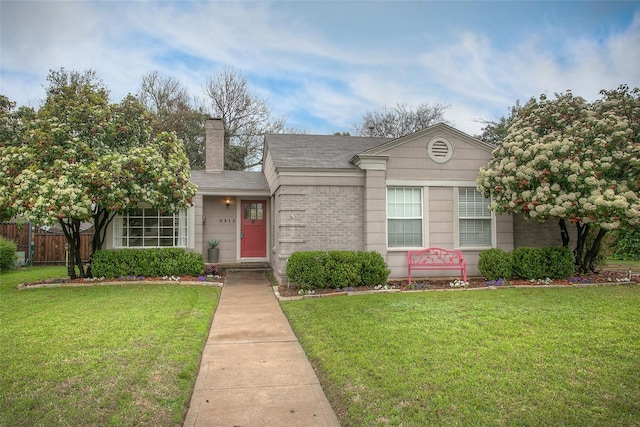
x: 214, y: 145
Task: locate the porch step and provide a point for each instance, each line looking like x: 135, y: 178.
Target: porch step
x: 245, y: 266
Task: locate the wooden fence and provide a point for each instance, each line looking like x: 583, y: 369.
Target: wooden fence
x: 49, y: 246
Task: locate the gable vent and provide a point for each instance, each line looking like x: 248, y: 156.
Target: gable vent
x: 440, y: 150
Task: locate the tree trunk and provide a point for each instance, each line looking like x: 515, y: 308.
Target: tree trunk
x: 589, y: 261
x: 583, y: 230
x: 71, y: 231
x: 101, y: 220
x: 564, y: 233
x: 585, y: 262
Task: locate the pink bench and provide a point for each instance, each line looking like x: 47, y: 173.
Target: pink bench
x: 436, y: 259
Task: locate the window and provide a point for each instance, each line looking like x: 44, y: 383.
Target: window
x: 149, y: 228
x: 475, y: 220
x: 253, y: 211
x: 404, y: 217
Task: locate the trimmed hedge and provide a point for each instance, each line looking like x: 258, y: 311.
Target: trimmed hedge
x: 308, y: 269
x: 336, y: 269
x: 373, y: 270
x: 7, y: 254
x: 154, y: 262
x: 495, y: 264
x: 559, y: 262
x: 526, y: 263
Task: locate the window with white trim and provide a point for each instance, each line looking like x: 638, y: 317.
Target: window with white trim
x: 475, y: 219
x: 404, y: 217
x: 150, y: 228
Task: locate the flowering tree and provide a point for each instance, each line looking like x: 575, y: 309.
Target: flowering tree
x: 571, y: 160
x: 82, y: 159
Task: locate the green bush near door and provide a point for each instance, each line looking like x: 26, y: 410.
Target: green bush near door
x: 156, y: 262
x: 336, y: 269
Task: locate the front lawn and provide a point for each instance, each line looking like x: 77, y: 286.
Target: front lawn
x: 623, y: 262
x: 552, y: 356
x: 103, y: 355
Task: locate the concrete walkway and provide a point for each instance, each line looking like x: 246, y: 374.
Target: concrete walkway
x: 253, y: 370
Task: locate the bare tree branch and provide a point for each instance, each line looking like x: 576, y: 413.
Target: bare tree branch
x: 246, y: 118
x: 400, y: 120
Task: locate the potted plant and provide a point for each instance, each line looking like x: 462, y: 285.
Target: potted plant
x: 213, y: 252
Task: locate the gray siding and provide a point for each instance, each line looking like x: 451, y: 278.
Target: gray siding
x: 220, y: 223
x: 440, y: 226
x: 411, y: 160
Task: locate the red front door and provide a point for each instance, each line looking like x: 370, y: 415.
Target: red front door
x: 253, y: 229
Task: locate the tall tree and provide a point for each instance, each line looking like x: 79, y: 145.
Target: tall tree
x: 494, y: 131
x: 81, y: 158
x: 246, y: 118
x: 400, y: 120
x: 570, y: 160
x: 173, y: 110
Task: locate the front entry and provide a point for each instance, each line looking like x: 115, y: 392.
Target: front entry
x: 253, y: 229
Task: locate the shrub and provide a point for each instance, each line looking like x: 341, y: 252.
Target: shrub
x: 156, y: 262
x: 308, y: 269
x: 558, y: 262
x: 627, y: 244
x: 528, y: 263
x: 7, y: 254
x: 495, y: 264
x: 336, y: 269
x: 343, y: 269
x: 374, y: 270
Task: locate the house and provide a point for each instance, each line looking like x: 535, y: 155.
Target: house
x: 339, y: 192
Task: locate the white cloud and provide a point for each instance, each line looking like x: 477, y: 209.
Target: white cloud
x: 332, y: 73
x: 482, y: 79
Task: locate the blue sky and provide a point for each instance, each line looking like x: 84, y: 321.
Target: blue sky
x: 322, y: 64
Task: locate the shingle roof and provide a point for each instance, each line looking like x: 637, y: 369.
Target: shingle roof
x: 317, y: 151
x: 230, y: 180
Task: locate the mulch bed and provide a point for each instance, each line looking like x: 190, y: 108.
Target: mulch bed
x: 440, y: 284
x: 434, y: 284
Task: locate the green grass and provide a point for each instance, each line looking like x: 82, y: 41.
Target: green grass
x: 103, y: 355
x: 514, y: 357
x: 629, y: 262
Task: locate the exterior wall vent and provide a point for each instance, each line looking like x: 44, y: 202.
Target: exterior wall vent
x: 440, y: 150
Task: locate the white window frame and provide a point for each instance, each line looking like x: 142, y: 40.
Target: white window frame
x: 419, y: 217
x: 153, y: 227
x: 474, y: 215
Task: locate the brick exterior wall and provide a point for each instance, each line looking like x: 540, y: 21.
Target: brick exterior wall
x: 214, y: 149
x: 317, y: 218
x: 537, y: 235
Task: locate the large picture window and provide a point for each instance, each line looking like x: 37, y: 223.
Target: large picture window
x: 149, y: 228
x: 404, y: 217
x: 475, y: 220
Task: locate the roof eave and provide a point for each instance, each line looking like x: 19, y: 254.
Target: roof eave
x: 284, y: 171
x: 224, y: 192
